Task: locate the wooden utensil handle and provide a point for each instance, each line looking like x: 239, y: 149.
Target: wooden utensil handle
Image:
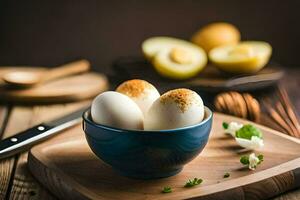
x: 66, y: 70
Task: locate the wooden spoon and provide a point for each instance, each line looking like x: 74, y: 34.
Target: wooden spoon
x: 31, y: 78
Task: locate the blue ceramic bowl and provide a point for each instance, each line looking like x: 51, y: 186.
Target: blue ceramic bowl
x: 147, y: 154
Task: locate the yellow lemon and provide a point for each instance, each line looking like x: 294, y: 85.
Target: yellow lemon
x: 216, y: 34
x: 245, y: 57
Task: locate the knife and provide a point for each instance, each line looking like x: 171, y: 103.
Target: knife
x: 29, y: 137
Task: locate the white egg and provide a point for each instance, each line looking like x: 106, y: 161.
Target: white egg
x: 116, y: 110
x: 175, y: 109
x: 141, y: 92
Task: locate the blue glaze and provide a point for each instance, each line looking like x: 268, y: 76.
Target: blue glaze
x: 147, y: 154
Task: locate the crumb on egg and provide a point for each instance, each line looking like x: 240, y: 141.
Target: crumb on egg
x: 182, y: 97
x: 134, y: 88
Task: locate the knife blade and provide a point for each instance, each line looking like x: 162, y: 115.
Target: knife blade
x: 31, y: 136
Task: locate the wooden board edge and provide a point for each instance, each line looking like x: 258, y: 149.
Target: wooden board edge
x: 56, y: 180
x: 290, y: 179
x: 248, y: 182
x: 54, y: 99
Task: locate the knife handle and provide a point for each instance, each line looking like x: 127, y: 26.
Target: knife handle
x: 23, y: 139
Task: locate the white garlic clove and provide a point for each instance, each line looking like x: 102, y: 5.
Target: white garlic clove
x: 254, y: 143
x: 253, y: 161
x: 232, y: 128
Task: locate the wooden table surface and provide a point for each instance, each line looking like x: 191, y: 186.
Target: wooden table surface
x: 16, y: 182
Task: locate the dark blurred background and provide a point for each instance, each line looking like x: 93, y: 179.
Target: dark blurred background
x: 49, y: 33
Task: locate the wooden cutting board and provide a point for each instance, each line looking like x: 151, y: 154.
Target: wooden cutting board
x: 67, y: 167
x: 72, y: 88
x: 210, y: 79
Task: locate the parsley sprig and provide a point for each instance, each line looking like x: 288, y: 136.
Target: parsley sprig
x: 245, y: 160
x: 226, y: 175
x: 225, y: 125
x: 248, y: 131
x: 166, y: 189
x: 193, y: 182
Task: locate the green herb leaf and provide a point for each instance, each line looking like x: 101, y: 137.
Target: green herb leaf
x: 194, y: 182
x: 261, y: 158
x: 166, y: 190
x: 247, y: 131
x: 225, y: 125
x: 226, y: 175
x: 244, y: 160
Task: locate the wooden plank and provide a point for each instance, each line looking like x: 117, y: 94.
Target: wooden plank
x: 20, y: 119
x: 3, y: 117
x: 6, y: 169
x: 23, y: 185
x: 293, y: 195
x: 6, y: 165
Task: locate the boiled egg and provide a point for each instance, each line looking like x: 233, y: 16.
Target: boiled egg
x: 141, y: 92
x: 116, y: 110
x: 244, y: 57
x: 175, y: 109
x: 174, y: 58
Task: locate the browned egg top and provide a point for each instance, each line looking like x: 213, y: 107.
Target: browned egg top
x: 182, y: 97
x: 134, y: 88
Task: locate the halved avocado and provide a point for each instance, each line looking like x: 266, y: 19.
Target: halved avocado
x: 245, y: 57
x: 174, y: 58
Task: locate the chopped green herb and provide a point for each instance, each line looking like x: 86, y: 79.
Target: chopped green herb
x: 261, y: 158
x: 247, y: 131
x: 226, y: 175
x: 251, y: 160
x: 225, y: 125
x: 194, y: 182
x: 166, y: 190
x: 244, y: 160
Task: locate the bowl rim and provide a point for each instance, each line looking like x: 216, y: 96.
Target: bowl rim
x: 109, y: 128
